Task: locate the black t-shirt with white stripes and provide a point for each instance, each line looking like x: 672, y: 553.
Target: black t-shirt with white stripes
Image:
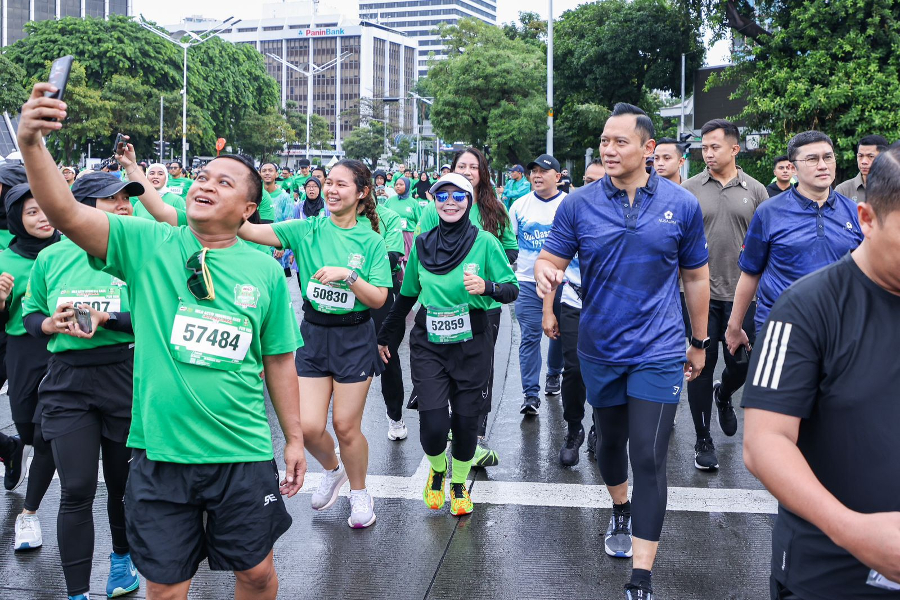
x: 828, y: 353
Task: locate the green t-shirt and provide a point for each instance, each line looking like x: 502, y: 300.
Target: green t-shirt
x: 388, y: 228
x: 266, y: 207
x: 189, y: 408
x: 62, y: 273
x: 168, y: 197
x: 320, y: 243
x: 20, y: 268
x: 429, y: 219
x: 180, y: 185
x: 486, y: 258
x: 5, y: 238
x: 408, y: 209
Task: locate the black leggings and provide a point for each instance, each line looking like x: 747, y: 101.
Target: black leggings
x: 77, y: 455
x: 648, y: 426
x: 435, y: 424
x: 494, y: 322
x: 392, y: 377
x: 40, y: 473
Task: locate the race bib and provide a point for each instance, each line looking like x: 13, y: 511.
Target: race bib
x: 106, y: 299
x: 402, y: 223
x: 331, y: 298
x: 448, y: 325
x: 209, y: 338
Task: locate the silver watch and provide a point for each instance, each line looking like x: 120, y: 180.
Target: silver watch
x: 352, y: 277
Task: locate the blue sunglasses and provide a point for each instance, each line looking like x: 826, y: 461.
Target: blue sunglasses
x: 457, y: 196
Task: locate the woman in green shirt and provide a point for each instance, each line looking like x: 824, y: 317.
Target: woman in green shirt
x: 28, y: 356
x: 156, y: 175
x: 456, y: 272
x: 86, y: 396
x: 343, y: 271
x: 409, y: 210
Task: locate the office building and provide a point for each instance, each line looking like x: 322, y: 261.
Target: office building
x: 419, y: 18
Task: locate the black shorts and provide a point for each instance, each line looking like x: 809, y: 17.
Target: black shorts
x: 26, y: 365
x: 72, y: 397
x: 455, y: 374
x: 165, y: 505
x: 346, y: 354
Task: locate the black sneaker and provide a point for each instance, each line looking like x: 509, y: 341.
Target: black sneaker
x: 15, y: 466
x: 705, y: 455
x: 592, y: 440
x: 727, y: 417
x: 530, y: 405
x: 568, y: 454
x: 553, y: 385
x: 638, y: 592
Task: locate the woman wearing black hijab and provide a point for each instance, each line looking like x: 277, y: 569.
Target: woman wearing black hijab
x: 423, y: 185
x: 456, y: 271
x: 28, y: 356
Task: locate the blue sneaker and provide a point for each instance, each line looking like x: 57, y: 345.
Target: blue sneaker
x: 80, y: 597
x: 123, y: 577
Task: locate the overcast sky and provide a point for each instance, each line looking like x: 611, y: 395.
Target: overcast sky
x: 172, y: 11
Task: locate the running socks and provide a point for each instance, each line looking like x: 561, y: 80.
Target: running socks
x: 439, y: 463
x: 461, y: 470
x: 641, y: 578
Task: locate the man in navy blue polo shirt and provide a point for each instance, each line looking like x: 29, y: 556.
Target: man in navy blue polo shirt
x: 634, y: 232
x: 793, y: 234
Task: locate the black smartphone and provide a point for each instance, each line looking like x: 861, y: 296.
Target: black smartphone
x: 742, y: 356
x: 120, y: 139
x: 59, y: 76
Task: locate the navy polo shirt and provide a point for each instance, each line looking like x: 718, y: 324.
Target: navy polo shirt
x: 791, y: 236
x: 629, y: 257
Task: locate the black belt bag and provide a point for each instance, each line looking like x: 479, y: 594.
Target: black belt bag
x: 349, y: 319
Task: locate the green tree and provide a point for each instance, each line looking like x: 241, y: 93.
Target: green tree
x: 489, y: 91
x: 264, y: 136
x: 845, y: 83
x: 366, y: 143
x: 616, y: 51
x: 12, y: 92
x: 88, y: 120
x: 530, y: 28
x: 400, y: 153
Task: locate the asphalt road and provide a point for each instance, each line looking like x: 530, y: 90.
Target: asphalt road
x: 537, y: 529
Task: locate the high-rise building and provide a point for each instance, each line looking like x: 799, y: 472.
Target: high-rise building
x: 15, y: 13
x: 380, y: 63
x: 419, y: 18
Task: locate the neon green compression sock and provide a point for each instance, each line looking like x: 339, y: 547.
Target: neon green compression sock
x: 460, y: 470
x: 438, y: 463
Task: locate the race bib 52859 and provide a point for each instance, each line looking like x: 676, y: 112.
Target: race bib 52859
x: 448, y: 325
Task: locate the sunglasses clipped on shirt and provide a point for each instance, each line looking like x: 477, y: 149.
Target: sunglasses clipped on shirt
x: 457, y: 196
x: 200, y: 282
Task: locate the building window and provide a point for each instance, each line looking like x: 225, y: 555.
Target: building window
x: 94, y: 8
x: 44, y: 9
x: 17, y: 14
x: 118, y: 7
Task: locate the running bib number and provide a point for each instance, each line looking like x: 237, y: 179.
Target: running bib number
x: 403, y: 223
x: 101, y: 299
x: 210, y: 339
x: 333, y: 298
x: 448, y: 325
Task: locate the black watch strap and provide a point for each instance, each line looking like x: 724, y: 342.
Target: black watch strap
x: 698, y: 343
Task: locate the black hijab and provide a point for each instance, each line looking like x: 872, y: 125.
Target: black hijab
x: 443, y: 248
x: 422, y: 188
x: 23, y: 243
x: 314, y: 207
x: 10, y: 175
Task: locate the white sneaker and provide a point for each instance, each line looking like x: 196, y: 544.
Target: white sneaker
x: 362, y: 509
x: 329, y: 488
x: 397, y: 430
x: 28, y: 532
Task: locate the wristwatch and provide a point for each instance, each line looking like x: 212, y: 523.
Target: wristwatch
x: 352, y: 277
x: 698, y: 343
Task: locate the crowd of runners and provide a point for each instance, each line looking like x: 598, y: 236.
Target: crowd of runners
x: 148, y: 317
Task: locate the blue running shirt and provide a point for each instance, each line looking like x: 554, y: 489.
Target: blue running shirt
x: 629, y: 257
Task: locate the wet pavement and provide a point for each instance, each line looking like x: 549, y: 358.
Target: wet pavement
x: 536, y: 531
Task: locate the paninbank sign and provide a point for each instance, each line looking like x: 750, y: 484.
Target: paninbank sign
x: 324, y: 32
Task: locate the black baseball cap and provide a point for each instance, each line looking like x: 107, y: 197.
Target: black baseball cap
x: 11, y: 175
x: 103, y: 185
x: 544, y: 161
x: 303, y: 162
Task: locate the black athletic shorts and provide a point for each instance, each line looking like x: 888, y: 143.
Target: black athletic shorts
x: 26, y: 365
x: 347, y: 354
x: 72, y: 397
x: 165, y: 505
x: 454, y: 374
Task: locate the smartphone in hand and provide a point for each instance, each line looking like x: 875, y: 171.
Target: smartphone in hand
x: 83, y: 319
x: 59, y: 77
x: 119, y: 145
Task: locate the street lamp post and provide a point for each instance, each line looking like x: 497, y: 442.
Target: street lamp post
x: 311, y: 70
x: 550, y: 79
x: 416, y: 99
x: 194, y: 40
